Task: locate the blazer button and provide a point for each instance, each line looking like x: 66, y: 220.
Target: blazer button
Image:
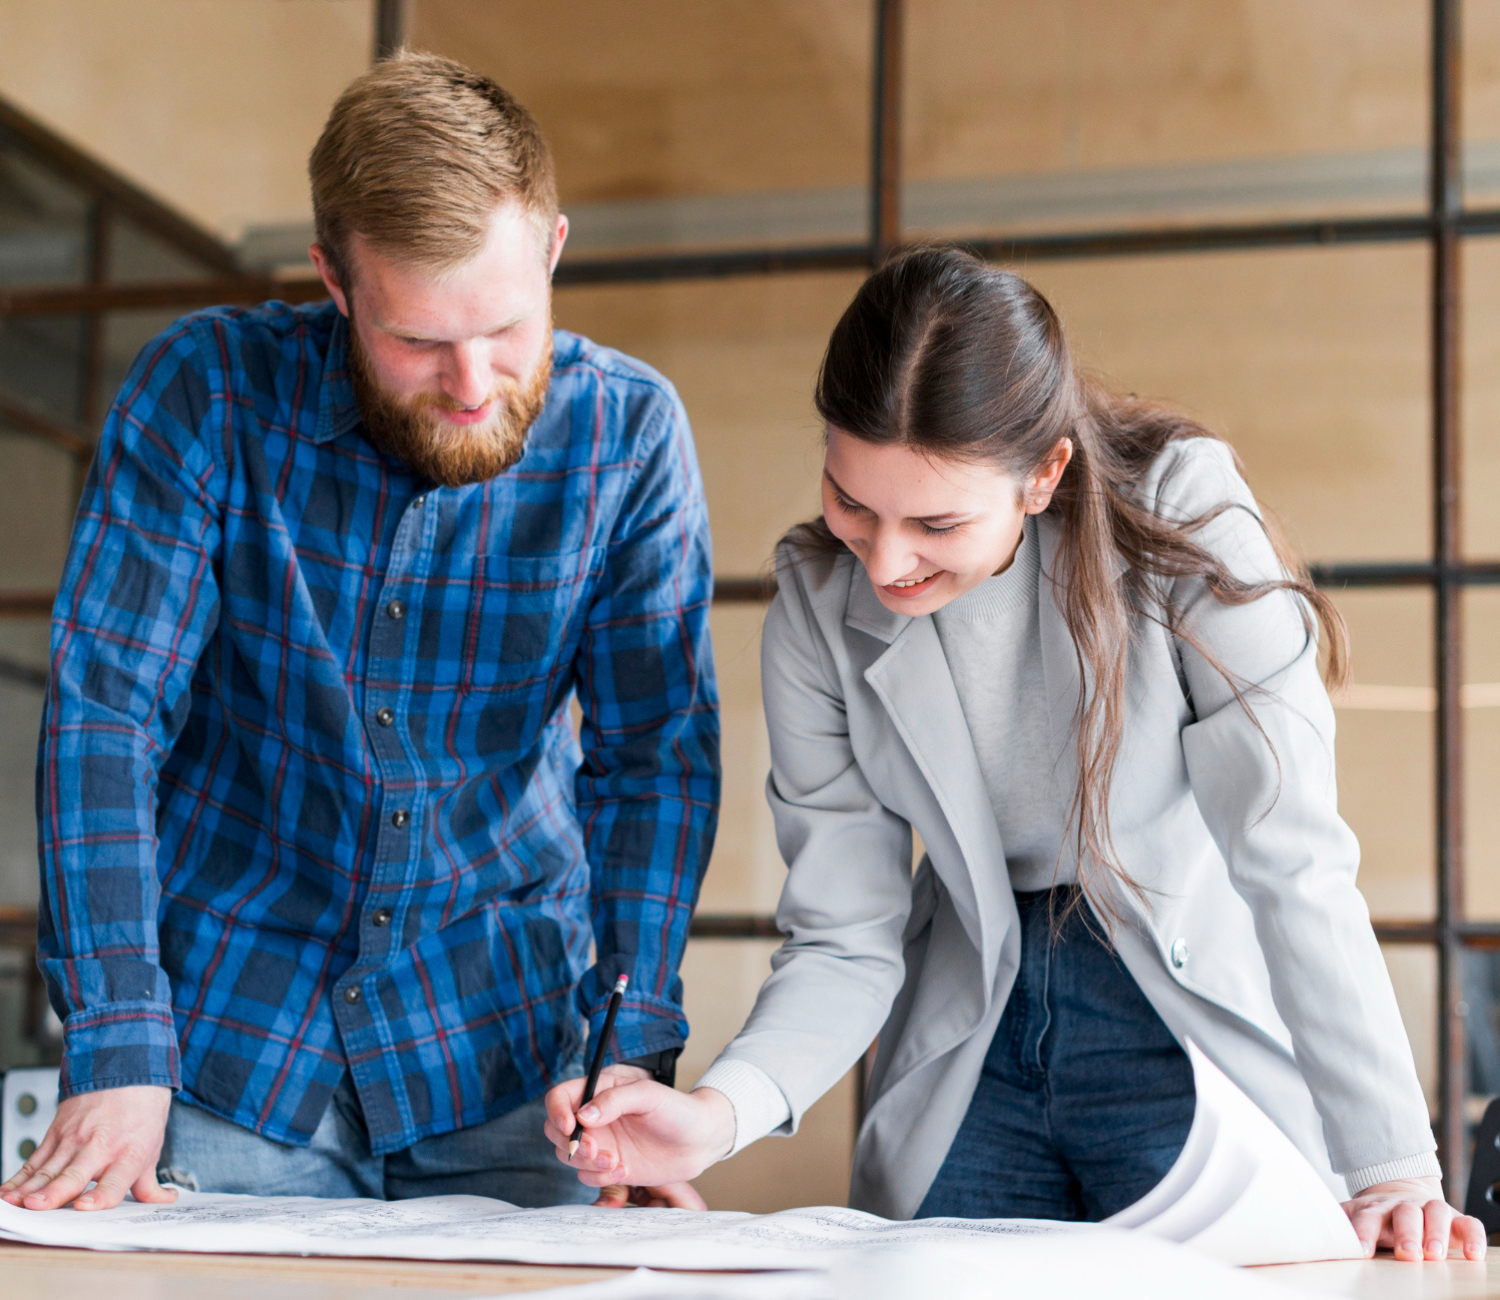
x: 351, y: 995
x: 1179, y: 953
x: 382, y: 917
x: 385, y: 716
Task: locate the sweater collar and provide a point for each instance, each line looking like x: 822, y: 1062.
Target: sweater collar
x: 1005, y: 593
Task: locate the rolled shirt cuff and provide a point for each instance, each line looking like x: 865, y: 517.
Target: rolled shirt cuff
x: 1419, y: 1166
x: 759, y: 1105
x: 118, y: 1045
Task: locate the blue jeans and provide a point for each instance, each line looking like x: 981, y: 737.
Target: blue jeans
x: 1085, y: 1099
x: 507, y: 1158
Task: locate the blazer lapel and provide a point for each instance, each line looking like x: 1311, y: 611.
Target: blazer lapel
x: 913, y: 683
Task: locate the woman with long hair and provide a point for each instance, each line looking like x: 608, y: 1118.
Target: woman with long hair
x: 1048, y: 629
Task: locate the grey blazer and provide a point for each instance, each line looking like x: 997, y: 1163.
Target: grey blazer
x: 1253, y: 941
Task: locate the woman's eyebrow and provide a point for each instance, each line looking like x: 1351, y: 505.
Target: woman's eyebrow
x: 834, y: 483
x: 957, y: 516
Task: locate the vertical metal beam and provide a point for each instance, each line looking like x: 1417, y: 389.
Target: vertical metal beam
x: 1446, y: 203
x: 91, y: 368
x: 390, y: 27
x: 93, y: 347
x: 885, y: 130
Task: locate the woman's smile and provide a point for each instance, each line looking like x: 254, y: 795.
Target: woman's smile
x: 905, y: 588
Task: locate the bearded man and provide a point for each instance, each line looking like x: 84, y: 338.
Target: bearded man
x: 331, y: 888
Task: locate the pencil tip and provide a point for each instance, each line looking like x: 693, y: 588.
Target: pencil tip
x: 572, y: 1149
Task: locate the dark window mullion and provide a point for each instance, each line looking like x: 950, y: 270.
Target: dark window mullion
x: 1445, y: 204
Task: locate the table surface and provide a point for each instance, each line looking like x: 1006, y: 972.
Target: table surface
x: 55, y: 1273
x: 49, y: 1273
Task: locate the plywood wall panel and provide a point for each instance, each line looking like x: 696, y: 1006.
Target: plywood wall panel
x: 1010, y: 86
x: 667, y: 97
x: 743, y: 354
x: 1481, y: 612
x: 1480, y: 509
x: 1313, y: 363
x: 1385, y: 747
x: 212, y: 106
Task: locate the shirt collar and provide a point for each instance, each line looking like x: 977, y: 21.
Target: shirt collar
x: 337, y: 410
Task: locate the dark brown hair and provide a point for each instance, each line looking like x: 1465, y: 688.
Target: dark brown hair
x: 963, y: 361
x: 417, y: 154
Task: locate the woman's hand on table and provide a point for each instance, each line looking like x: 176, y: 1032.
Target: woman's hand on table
x: 1411, y: 1217
x: 640, y: 1134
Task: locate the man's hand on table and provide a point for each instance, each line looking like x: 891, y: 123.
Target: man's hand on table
x: 111, y: 1137
x: 1410, y: 1216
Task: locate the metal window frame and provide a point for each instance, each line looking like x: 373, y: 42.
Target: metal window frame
x: 1443, y: 226
x: 1445, y: 207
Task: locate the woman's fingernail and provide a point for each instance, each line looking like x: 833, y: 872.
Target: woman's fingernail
x: 589, y: 1113
x: 84, y: 1200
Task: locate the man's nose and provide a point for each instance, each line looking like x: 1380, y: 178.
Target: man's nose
x: 468, y: 380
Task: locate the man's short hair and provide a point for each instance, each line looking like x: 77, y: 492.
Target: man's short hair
x: 415, y: 158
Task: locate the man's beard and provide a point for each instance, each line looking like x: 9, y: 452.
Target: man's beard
x: 448, y: 454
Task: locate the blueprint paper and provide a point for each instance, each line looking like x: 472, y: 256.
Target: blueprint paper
x: 832, y: 1254
x: 476, y: 1228
x: 1239, y: 1190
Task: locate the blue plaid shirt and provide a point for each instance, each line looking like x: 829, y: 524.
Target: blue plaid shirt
x: 308, y: 794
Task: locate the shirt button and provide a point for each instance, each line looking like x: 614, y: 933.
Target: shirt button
x: 1179, y: 953
x: 382, y: 917
x: 385, y: 716
x: 400, y: 817
x: 396, y: 609
x: 351, y: 995
x: 418, y: 502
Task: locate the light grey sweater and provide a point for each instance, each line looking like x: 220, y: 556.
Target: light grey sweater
x: 992, y: 639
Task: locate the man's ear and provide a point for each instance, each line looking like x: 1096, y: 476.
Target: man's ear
x: 559, y: 237
x: 329, y: 276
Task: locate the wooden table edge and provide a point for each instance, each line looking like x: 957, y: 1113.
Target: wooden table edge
x: 456, y: 1275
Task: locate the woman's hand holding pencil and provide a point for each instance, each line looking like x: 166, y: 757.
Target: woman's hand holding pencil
x: 639, y: 1133
x: 635, y: 1138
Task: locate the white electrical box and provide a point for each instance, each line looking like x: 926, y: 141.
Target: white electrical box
x: 28, y: 1102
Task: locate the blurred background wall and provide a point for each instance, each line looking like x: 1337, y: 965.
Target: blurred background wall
x: 686, y: 128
